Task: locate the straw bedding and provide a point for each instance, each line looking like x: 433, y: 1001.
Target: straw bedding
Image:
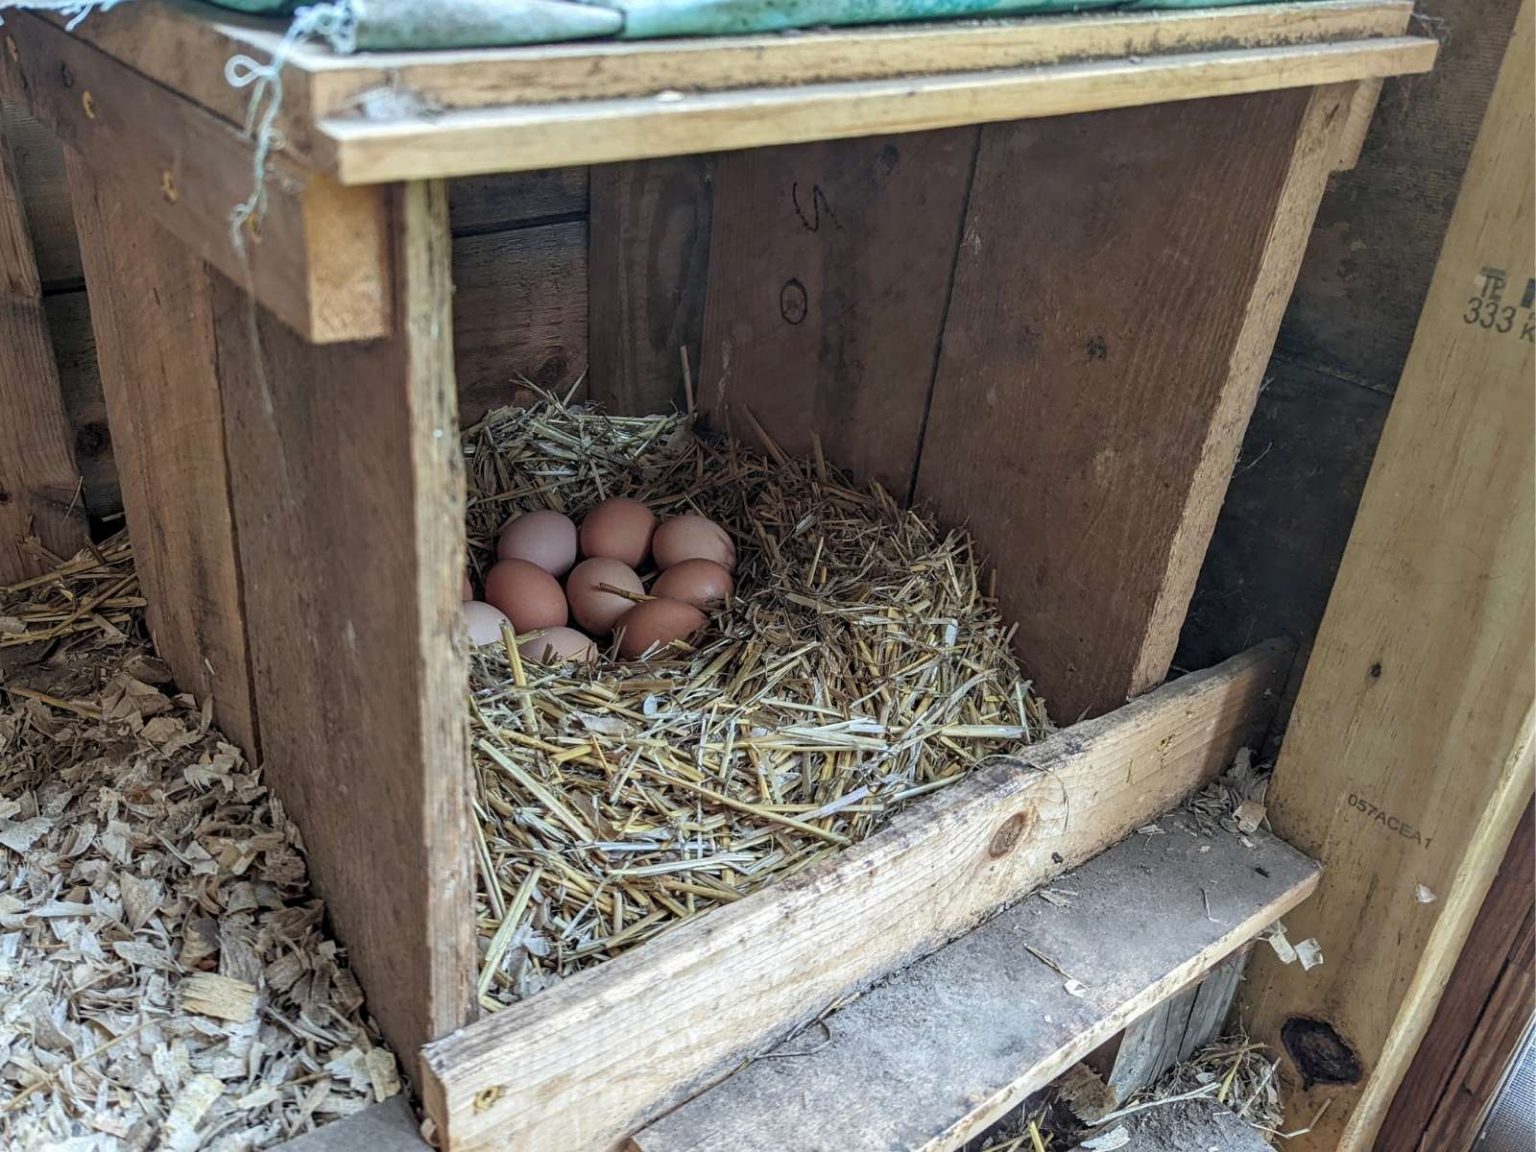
x: 860, y: 665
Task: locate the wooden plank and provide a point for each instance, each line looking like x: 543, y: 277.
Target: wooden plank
x: 586, y: 1063
x: 1119, y: 287
x: 85, y: 406
x: 1167, y: 1035
x: 1483, y: 1016
x: 828, y: 288
x: 1362, y: 108
x: 386, y: 1127
x: 491, y: 203
x: 184, y: 50
x: 1408, y: 759
x: 39, y: 484
x: 45, y: 192
x: 647, y: 280
x: 349, y: 496
x: 152, y: 315
x: 318, y: 257
x: 520, y: 137
x: 520, y: 312
x: 939, y: 1052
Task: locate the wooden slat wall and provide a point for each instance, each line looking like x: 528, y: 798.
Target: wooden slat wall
x: 647, y: 277
x: 828, y: 289
x: 520, y: 284
x: 38, y: 480
x: 39, y: 165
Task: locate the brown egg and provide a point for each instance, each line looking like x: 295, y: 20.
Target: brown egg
x: 483, y: 622
x: 692, y: 537
x: 596, y: 610
x: 545, y: 538
x: 657, y: 623
x: 469, y: 589
x: 530, y: 597
x: 701, y: 583
x: 557, y: 646
x: 619, y: 529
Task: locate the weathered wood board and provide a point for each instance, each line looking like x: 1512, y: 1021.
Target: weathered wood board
x: 418, y: 145
x: 520, y: 311
x: 943, y: 1049
x: 1342, y: 346
x: 183, y: 50
x: 315, y: 254
x: 1482, y: 1019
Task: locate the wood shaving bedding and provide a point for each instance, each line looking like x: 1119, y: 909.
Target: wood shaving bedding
x: 165, y: 978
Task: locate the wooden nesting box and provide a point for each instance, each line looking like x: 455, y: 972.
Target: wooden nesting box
x: 1025, y: 272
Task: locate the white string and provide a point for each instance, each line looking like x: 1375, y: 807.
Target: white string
x: 336, y: 24
x: 78, y: 10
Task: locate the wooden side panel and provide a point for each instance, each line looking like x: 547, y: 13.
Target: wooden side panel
x: 1409, y: 755
x: 581, y: 1066
x: 648, y: 276
x: 1486, y: 1010
x: 1121, y: 279
x: 153, y: 322
x: 349, y: 498
x: 39, y: 484
x: 828, y: 281
x: 520, y: 312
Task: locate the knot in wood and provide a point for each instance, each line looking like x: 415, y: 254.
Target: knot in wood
x: 1010, y: 832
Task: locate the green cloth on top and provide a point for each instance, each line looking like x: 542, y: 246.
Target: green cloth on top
x: 406, y: 24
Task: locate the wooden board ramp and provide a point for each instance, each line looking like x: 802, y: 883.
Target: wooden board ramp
x: 943, y: 1049
x: 586, y: 1063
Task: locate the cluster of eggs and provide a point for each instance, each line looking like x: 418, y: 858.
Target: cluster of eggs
x: 603, y: 592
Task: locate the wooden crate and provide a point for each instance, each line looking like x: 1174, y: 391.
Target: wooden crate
x: 1025, y: 272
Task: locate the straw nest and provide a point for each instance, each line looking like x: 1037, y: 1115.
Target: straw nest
x: 165, y: 979
x: 860, y: 665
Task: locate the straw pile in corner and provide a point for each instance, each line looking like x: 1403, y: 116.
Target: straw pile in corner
x: 860, y: 665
